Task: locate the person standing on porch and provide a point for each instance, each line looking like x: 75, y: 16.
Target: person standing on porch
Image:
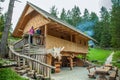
x: 40, y: 39
x: 31, y: 32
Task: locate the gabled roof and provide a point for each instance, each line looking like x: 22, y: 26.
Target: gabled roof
x: 49, y: 16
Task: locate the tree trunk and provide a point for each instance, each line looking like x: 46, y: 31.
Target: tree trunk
x: 4, y: 42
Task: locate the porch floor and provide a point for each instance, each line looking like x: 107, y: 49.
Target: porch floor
x: 78, y: 73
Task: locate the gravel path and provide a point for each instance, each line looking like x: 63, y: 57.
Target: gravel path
x: 109, y: 59
x: 78, y: 73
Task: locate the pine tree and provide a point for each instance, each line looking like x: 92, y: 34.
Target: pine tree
x: 86, y: 15
x: 54, y: 11
x: 69, y: 17
x: 93, y: 17
x: 95, y: 20
x: 63, y: 15
x: 105, y: 25
x: 76, y: 18
x: 115, y: 25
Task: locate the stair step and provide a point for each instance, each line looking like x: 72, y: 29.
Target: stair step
x: 21, y: 72
x: 31, y: 73
x: 39, y: 75
x: 26, y: 66
x: 18, y: 68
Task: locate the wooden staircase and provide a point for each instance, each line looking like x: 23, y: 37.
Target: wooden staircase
x: 31, y: 60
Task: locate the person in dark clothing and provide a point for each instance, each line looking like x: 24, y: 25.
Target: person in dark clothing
x: 40, y: 38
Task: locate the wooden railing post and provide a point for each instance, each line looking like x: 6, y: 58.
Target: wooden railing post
x: 18, y: 61
x: 10, y: 54
x: 23, y: 62
x: 30, y: 64
x: 49, y: 73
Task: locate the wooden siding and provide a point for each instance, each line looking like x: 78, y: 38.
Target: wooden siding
x: 69, y: 46
x: 36, y: 21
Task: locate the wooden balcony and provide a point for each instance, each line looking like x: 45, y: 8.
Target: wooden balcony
x: 52, y: 41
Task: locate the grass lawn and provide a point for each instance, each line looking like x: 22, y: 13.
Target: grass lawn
x: 116, y: 59
x: 98, y: 54
x: 9, y: 74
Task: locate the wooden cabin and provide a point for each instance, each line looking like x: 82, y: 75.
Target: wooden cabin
x: 56, y: 33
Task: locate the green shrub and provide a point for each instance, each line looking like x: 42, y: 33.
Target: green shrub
x: 116, y: 58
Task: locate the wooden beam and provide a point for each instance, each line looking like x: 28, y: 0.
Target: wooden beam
x: 45, y: 34
x: 20, y: 30
x: 71, y: 62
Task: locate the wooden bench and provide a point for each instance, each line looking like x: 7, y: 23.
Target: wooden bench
x: 112, y: 75
x: 91, y: 74
x: 115, y: 68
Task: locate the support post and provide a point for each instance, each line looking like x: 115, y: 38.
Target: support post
x: 23, y: 62
x: 71, y: 62
x: 10, y: 55
x: 18, y: 61
x: 45, y: 34
x: 30, y: 65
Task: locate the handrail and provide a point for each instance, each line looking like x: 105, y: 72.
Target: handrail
x: 18, y: 41
x: 27, y: 57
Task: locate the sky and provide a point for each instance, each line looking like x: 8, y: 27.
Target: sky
x: 91, y: 5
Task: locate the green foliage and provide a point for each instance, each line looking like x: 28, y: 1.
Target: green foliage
x: 63, y: 15
x: 80, y: 57
x: 9, y: 74
x: 53, y: 11
x: 97, y: 32
x: 71, y: 16
x: 116, y: 57
x: 105, y: 23
x: 75, y: 13
x: 93, y: 17
x: 98, y: 54
x: 86, y: 15
x: 2, y: 61
x: 2, y: 21
x: 115, y: 26
x: 0, y: 35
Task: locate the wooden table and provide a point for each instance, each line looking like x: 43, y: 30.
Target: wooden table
x: 102, y: 72
x: 108, y: 65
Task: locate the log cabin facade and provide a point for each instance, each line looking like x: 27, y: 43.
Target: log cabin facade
x: 57, y: 33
